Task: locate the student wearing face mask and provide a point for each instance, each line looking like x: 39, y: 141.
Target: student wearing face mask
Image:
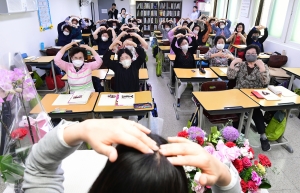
x: 126, y: 70
x: 123, y: 16
x: 164, y: 27
x: 209, y: 23
x: 64, y: 34
x: 79, y: 73
x: 223, y: 29
x: 254, y: 36
x: 199, y: 34
x: 135, y: 23
x: 218, y: 55
x: 252, y: 74
x: 104, y: 37
x: 179, y: 30
x: 184, y: 59
x: 238, y: 37
x: 77, y: 25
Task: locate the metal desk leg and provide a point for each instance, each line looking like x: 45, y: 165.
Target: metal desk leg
x: 171, y: 74
x: 176, y: 101
x: 248, y: 123
x: 149, y: 120
x: 291, y: 82
x: 145, y: 85
x: 241, y: 122
x: 200, y: 116
x: 280, y: 141
x: 53, y: 74
x: 235, y: 50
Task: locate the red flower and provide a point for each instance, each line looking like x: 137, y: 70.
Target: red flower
x: 200, y: 140
x: 230, y: 144
x: 246, y: 162
x: 252, y: 186
x: 238, y: 164
x: 256, y: 162
x: 19, y: 133
x: 251, y: 150
x: 183, y: 134
x: 244, y: 186
x: 264, y: 160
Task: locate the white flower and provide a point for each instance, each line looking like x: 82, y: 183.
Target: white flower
x: 188, y: 175
x: 197, y: 176
x: 244, y: 151
x: 250, y: 155
x: 189, y: 168
x: 185, y: 128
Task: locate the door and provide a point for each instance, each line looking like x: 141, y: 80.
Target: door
x: 104, y: 6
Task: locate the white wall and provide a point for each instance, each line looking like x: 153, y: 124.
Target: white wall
x: 20, y: 32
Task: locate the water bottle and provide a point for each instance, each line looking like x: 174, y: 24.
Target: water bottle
x: 283, y: 53
x: 42, y: 46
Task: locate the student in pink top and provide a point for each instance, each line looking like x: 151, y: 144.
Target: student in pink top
x: 79, y: 73
x: 178, y: 30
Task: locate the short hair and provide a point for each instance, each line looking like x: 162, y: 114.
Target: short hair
x: 185, y: 22
x: 105, y: 31
x: 180, y: 40
x: 252, y: 46
x: 113, y: 4
x: 76, y: 49
x: 134, y: 39
x: 134, y: 20
x: 256, y: 32
x: 217, y: 39
x: 243, y: 25
x: 195, y: 7
x: 145, y: 173
x: 122, y: 51
x: 74, y: 19
x: 123, y: 9
x: 167, y: 23
x: 211, y: 19
x: 67, y: 27
x: 180, y: 31
x: 196, y: 26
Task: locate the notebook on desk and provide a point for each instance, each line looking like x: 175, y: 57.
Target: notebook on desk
x: 126, y: 99
x: 80, y: 97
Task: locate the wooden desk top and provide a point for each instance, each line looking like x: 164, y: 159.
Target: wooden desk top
x: 172, y: 57
x: 239, y: 46
x: 185, y: 73
x: 164, y: 48
x: 48, y: 100
x: 41, y: 59
x: 100, y: 73
x: 198, y: 58
x: 266, y: 103
x: 86, y: 35
x: 143, y: 75
x: 159, y: 41
x: 157, y: 32
x: 278, y: 72
x: 217, y: 100
x: 140, y: 97
x: 212, y: 34
x: 295, y: 71
x: 95, y: 48
x: 158, y: 36
x: 263, y: 56
x: 220, y: 71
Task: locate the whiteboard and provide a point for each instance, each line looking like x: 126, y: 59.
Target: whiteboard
x: 245, y: 8
x: 44, y: 15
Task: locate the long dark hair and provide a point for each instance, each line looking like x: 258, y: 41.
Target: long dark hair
x: 137, y: 172
x: 237, y: 25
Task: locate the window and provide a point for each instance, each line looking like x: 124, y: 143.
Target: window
x: 265, y: 12
x: 295, y: 37
x: 277, y: 19
x: 233, y: 11
x: 255, y: 10
x: 221, y: 9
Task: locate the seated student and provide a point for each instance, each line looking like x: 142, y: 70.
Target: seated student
x: 126, y: 70
x: 253, y: 74
x: 90, y: 26
x: 178, y: 30
x: 238, y: 37
x: 218, y: 56
x: 184, y: 59
x: 222, y: 28
x: 115, y: 24
x: 199, y: 34
x: 104, y: 37
x: 253, y: 37
x: 64, y: 34
x: 123, y: 16
x: 77, y: 25
x: 162, y: 173
x: 184, y: 22
x: 135, y: 23
x: 79, y: 73
x: 164, y: 27
x: 209, y: 23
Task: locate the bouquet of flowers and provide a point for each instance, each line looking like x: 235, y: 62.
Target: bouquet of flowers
x: 228, y: 145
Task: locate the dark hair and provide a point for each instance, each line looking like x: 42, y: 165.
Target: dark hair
x: 166, y: 23
x: 185, y: 22
x: 196, y: 26
x: 256, y: 32
x: 76, y: 49
x: 67, y: 27
x: 180, y: 31
x: 113, y: 4
x: 252, y: 46
x: 219, y: 37
x: 137, y: 172
x: 74, y: 20
x: 134, y: 20
x: 243, y: 25
x: 123, y: 9
x: 134, y: 39
x: 120, y: 52
x: 104, y: 24
x: 180, y: 40
x: 130, y: 25
x: 211, y: 19
x: 105, y: 31
x: 195, y: 7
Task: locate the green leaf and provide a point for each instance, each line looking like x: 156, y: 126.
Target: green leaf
x: 214, y: 129
x: 265, y: 184
x: 11, y: 171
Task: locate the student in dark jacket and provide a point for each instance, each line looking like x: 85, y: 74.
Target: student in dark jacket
x: 199, y: 34
x: 113, y: 12
x: 90, y: 25
x: 104, y: 37
x: 64, y: 34
x: 184, y: 59
x: 253, y: 37
x: 126, y: 70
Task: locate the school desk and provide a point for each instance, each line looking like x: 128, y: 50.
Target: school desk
x: 190, y: 75
x: 157, y: 32
x: 78, y: 110
x: 158, y: 36
x: 286, y: 103
x: 100, y: 73
x: 225, y: 102
x: 221, y: 72
x: 236, y: 47
x: 43, y: 61
x: 294, y: 72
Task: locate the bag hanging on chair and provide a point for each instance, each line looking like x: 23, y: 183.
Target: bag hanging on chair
x: 276, y: 127
x: 158, y: 68
x: 50, y: 82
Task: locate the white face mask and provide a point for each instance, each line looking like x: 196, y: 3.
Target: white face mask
x: 222, y: 26
x: 126, y: 63
x: 104, y: 39
x: 220, y: 46
x: 77, y: 63
x: 114, y: 27
x: 66, y: 33
x: 167, y: 29
x: 185, y: 47
x: 129, y: 48
x: 195, y: 32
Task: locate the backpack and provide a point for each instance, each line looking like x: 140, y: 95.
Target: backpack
x: 276, y: 126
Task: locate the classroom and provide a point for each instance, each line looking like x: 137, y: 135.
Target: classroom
x: 160, y: 96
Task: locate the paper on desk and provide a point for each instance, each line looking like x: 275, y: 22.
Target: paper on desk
x: 110, y: 72
x: 285, y: 92
x: 62, y: 99
x: 107, y: 101
x: 270, y: 97
x: 126, y: 99
x: 224, y: 70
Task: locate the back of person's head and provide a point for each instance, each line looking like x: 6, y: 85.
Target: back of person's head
x: 185, y: 23
x: 135, y: 172
x: 131, y: 38
x: 252, y: 46
x: 76, y: 50
x: 180, y: 31
x: 217, y: 39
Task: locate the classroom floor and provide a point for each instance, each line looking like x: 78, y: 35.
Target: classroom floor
x: 284, y: 178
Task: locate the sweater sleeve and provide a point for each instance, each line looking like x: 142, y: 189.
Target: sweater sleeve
x: 194, y: 45
x: 142, y: 56
x: 59, y: 27
x: 265, y: 76
x: 96, y: 64
x: 265, y: 36
x: 174, y: 47
x: 228, y: 23
x: 107, y: 61
x: 249, y: 37
x: 60, y: 63
x: 232, y: 73
x: 43, y: 172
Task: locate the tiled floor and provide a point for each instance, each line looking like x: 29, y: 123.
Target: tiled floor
x: 286, y: 166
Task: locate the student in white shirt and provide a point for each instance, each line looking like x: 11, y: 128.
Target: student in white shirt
x: 195, y: 15
x: 123, y: 16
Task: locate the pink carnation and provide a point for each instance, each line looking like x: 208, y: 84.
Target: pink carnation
x: 246, y: 162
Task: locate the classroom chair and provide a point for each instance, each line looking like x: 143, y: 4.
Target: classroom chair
x: 217, y: 119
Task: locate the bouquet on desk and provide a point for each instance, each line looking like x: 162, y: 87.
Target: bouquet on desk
x: 18, y: 130
x: 228, y: 145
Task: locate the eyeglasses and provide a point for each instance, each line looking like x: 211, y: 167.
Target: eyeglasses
x: 127, y: 96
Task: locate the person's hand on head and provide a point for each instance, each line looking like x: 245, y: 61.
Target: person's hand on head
x: 179, y: 35
x: 115, y: 43
x: 134, y: 35
x: 70, y: 45
x: 123, y: 33
x: 237, y: 60
x: 129, y: 43
x: 183, y: 152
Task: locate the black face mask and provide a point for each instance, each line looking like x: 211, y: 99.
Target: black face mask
x: 255, y: 38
